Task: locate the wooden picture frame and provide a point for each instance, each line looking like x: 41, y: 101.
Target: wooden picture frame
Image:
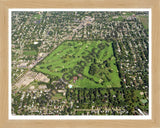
x: 4, y: 8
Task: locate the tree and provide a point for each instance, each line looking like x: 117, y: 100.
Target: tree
x: 92, y: 69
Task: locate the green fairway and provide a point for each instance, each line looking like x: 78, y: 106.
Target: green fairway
x: 84, y: 64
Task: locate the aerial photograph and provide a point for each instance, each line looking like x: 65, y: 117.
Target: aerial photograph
x: 84, y: 63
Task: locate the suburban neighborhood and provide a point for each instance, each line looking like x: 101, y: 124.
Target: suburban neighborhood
x: 80, y: 63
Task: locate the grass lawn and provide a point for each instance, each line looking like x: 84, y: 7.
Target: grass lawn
x: 127, y: 13
x: 144, y: 20
x: 30, y: 53
x: 93, y: 60
x: 143, y: 100
x: 119, y: 18
x: 58, y: 96
x: 37, y: 16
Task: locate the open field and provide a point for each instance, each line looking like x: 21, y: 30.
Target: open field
x: 144, y: 20
x: 30, y: 53
x: 37, y: 16
x: 87, y: 64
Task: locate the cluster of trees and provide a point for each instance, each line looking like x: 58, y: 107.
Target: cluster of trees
x: 92, y: 69
x: 127, y: 99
